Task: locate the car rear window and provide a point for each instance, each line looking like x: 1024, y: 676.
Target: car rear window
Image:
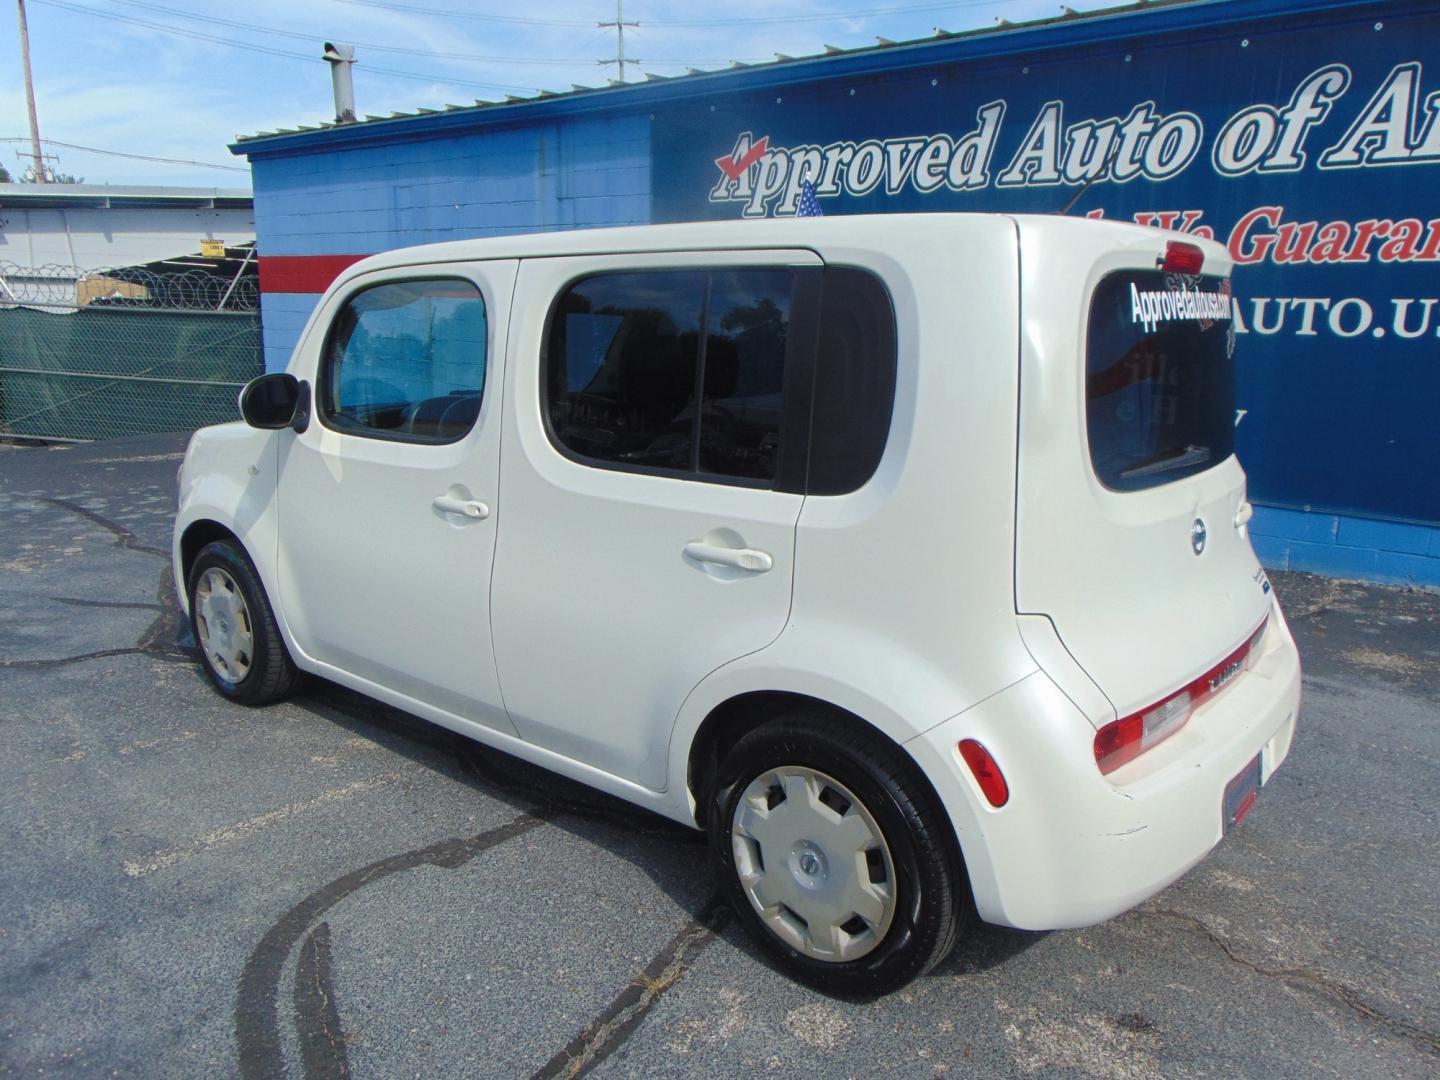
x: 1159, y: 378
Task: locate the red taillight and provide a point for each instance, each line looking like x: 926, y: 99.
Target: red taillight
x: 1182, y: 258
x: 987, y: 773
x: 1124, y: 740
x: 1128, y: 738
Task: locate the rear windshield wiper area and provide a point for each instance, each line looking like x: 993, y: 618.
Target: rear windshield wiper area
x: 1183, y: 459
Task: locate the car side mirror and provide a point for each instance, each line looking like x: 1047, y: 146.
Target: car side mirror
x: 300, y: 418
x: 274, y: 401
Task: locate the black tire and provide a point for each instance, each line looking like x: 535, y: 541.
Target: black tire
x: 264, y: 672
x: 930, y: 892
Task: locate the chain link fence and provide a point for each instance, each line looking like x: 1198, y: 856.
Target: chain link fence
x: 98, y: 354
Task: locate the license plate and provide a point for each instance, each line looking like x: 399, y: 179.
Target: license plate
x: 1240, y: 794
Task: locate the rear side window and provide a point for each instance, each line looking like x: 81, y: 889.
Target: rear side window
x: 854, y: 381
x: 406, y: 361
x: 745, y: 344
x: 678, y: 371
x: 1159, y: 378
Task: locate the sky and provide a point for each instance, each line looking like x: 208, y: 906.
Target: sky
x: 180, y: 79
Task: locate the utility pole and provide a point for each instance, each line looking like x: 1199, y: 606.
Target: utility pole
x: 30, y: 96
x: 619, y: 24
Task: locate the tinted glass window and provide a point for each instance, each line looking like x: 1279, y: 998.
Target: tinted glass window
x: 854, y: 381
x: 622, y: 354
x: 629, y: 354
x: 744, y: 372
x: 406, y: 360
x: 1159, y: 378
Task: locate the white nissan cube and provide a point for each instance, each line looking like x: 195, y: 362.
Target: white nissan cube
x: 904, y: 554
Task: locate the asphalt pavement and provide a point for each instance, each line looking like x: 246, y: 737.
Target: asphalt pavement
x: 332, y: 888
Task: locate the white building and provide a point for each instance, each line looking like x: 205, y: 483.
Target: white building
x: 93, y: 226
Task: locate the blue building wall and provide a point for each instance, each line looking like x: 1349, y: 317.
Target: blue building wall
x: 282, y: 317
x: 1339, y: 545
x: 646, y: 153
x: 579, y: 172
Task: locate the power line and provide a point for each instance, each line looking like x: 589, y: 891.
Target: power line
x: 466, y: 57
x: 473, y: 57
x: 937, y: 5
x: 137, y: 157
x: 415, y: 9
x: 253, y: 28
x: 830, y: 17
x: 270, y: 50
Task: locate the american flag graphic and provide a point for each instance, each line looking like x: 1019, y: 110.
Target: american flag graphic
x: 809, y: 205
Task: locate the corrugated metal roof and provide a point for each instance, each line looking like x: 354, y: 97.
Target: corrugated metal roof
x: 827, y: 53
x: 76, y: 196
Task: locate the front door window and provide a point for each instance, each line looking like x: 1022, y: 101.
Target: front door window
x: 406, y: 360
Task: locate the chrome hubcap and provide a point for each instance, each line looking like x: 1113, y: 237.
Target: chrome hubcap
x: 222, y: 622
x: 814, y: 863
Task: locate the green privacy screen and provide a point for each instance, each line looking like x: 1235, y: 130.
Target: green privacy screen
x: 101, y: 373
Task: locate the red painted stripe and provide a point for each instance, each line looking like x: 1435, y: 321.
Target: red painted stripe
x: 302, y: 273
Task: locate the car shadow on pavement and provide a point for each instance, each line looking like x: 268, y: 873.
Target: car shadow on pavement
x: 982, y: 947
x: 672, y: 855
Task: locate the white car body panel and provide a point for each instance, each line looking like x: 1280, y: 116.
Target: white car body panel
x: 579, y: 538
x: 228, y: 476
x: 1115, y: 571
x: 1082, y: 847
x: 378, y: 582
x: 969, y: 589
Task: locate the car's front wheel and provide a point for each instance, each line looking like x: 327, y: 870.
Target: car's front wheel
x: 235, y: 629
x: 835, y: 854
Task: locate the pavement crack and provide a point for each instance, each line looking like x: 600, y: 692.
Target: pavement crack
x: 257, y: 1020
x: 317, y: 1018
x: 155, y: 642
x: 159, y: 640
x: 172, y: 655
x: 620, y: 1019
x: 1335, y: 991
x: 123, y: 536
x: 1332, y: 594
x: 77, y: 602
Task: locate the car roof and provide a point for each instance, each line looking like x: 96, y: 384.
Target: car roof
x: 878, y: 231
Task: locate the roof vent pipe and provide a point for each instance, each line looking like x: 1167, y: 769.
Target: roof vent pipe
x: 340, y: 57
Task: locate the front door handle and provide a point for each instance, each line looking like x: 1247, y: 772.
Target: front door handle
x: 471, y: 508
x: 757, y: 562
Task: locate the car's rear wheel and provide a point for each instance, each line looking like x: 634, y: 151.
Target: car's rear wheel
x: 835, y: 854
x: 235, y: 629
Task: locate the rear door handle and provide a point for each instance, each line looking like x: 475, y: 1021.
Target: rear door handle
x: 471, y: 508
x: 757, y: 562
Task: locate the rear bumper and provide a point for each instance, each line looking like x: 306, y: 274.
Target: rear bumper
x: 1073, y: 847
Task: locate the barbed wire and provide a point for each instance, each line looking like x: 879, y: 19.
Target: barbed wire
x: 57, y: 286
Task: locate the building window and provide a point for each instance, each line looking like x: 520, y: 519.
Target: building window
x: 406, y: 361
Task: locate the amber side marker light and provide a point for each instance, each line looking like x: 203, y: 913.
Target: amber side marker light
x: 987, y: 773
x: 1122, y: 741
x: 1182, y: 258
